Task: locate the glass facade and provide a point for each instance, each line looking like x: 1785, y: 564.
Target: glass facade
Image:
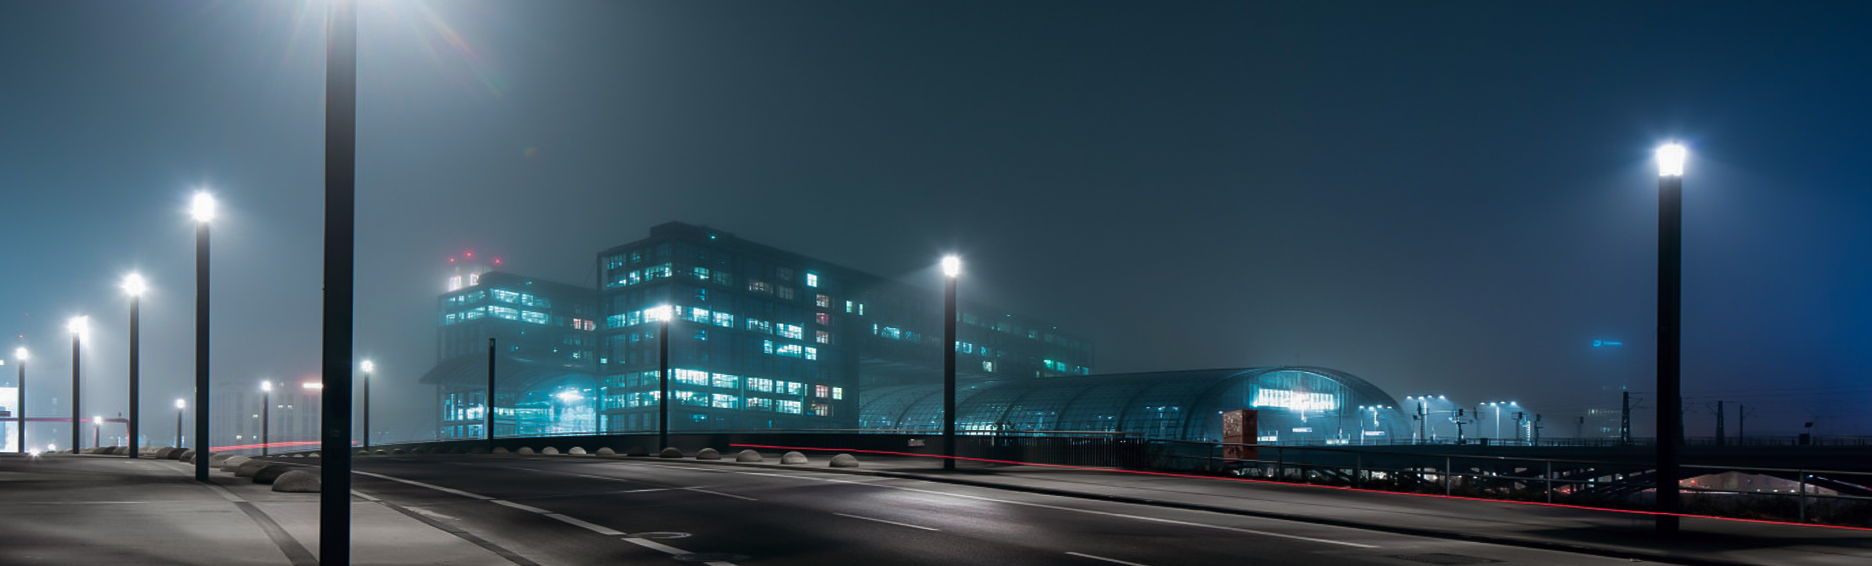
x: 1294, y: 404
x: 546, y: 339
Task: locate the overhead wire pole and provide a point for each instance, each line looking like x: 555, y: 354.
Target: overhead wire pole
x: 340, y: 264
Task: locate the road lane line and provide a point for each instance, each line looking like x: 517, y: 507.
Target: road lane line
x: 889, y: 522
x: 527, y: 508
x: 697, y: 489
x: 600, y: 529
x: 421, y: 484
x: 365, y: 496
x: 654, y: 545
x: 1111, y: 560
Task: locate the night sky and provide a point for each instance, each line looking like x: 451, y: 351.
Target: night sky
x: 1442, y: 197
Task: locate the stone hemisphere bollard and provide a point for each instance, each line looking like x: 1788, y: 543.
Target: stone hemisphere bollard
x: 844, y: 461
x: 297, y: 481
x: 248, y: 468
x: 393, y: 452
x: 550, y: 451
x: 187, y: 457
x: 230, y: 464
x: 269, y: 474
x: 793, y: 458
x: 707, y: 454
x: 216, y: 458
x: 748, y: 456
x: 312, y: 455
x: 636, y: 451
x: 525, y: 451
x: 363, y: 452
x: 576, y: 451
x: 671, y: 452
x: 607, y: 451
x: 380, y: 452
x: 501, y: 450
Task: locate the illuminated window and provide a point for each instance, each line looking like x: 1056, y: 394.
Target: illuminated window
x: 455, y: 283
x: 724, y: 320
x: 759, y: 286
x: 760, y: 384
x: 821, y: 410
x: 795, y: 388
x: 790, y: 407
x: 838, y: 393
x: 812, y: 280
x: 767, y: 346
x: 822, y: 391
x: 760, y: 326
x: 812, y: 353
x: 823, y: 301
x: 724, y: 401
x: 848, y: 306
x: 725, y: 381
x: 822, y: 337
x: 792, y: 331
x: 759, y: 404
x: 701, y: 273
x: 823, y: 319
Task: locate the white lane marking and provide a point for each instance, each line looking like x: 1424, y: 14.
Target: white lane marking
x: 600, y: 529
x: 888, y: 522
x: 421, y: 484
x: 654, y: 545
x: 697, y: 489
x: 527, y: 508
x: 365, y: 496
x: 1111, y: 560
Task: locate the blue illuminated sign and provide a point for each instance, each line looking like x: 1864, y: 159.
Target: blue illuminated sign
x: 1606, y: 343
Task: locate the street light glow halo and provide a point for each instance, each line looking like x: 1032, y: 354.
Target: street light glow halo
x: 21, y: 353
x: 659, y: 313
x: 951, y: 265
x: 134, y: 285
x: 1670, y: 159
x: 181, y: 404
x: 202, y: 207
x: 266, y: 386
x: 78, y: 325
x: 367, y: 366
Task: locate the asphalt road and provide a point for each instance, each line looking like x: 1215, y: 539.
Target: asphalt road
x: 561, y: 510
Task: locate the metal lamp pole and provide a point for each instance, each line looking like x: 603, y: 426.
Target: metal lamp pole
x: 77, y: 328
x: 134, y: 285
x: 367, y: 366
x: 20, y: 354
x: 203, y: 209
x: 952, y: 267
x: 266, y: 416
x: 179, y: 406
x: 663, y: 376
x: 1670, y: 302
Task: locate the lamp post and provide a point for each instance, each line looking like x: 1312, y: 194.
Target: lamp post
x: 134, y: 285
x: 179, y: 406
x: 367, y: 366
x: 97, y: 431
x: 488, y: 409
x: 20, y: 354
x: 663, y: 314
x: 77, y: 326
x: 1670, y: 158
x: 266, y: 415
x: 952, y: 267
x: 340, y: 271
x: 202, y: 207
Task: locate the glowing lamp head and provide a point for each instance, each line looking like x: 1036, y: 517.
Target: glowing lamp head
x: 1670, y: 160
x: 97, y: 420
x: 202, y: 207
x: 367, y: 366
x: 569, y: 396
x: 266, y: 386
x: 21, y: 354
x: 134, y: 285
x: 312, y: 385
x: 658, y: 313
x: 952, y: 266
x: 78, y: 325
x: 180, y: 404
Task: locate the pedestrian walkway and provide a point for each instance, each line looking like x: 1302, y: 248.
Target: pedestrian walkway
x: 1703, y: 541
x: 97, y: 509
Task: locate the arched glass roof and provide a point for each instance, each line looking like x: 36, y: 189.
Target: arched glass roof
x: 1294, y: 404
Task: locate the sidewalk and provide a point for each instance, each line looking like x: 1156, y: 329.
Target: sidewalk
x: 1626, y: 535
x: 97, y: 509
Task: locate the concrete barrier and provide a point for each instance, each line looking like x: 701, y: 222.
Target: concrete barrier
x: 379, y: 452
x: 271, y: 473
x: 312, y: 455
x: 525, y: 451
x: 498, y: 450
x: 216, y: 458
x: 748, y: 456
x: 637, y: 451
x: 550, y: 451
x: 187, y: 457
x: 844, y: 461
x: 230, y: 464
x: 249, y: 468
x: 606, y: 451
x: 576, y: 451
x: 671, y: 452
x: 297, y: 481
x: 707, y: 454
x: 793, y: 458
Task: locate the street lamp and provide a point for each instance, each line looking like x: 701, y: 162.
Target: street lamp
x: 134, y: 286
x: 367, y: 366
x: 20, y: 354
x: 266, y: 415
x: 97, y: 428
x: 1670, y: 159
x: 663, y: 314
x: 78, y: 326
x: 952, y: 269
x: 202, y: 208
x: 179, y: 406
